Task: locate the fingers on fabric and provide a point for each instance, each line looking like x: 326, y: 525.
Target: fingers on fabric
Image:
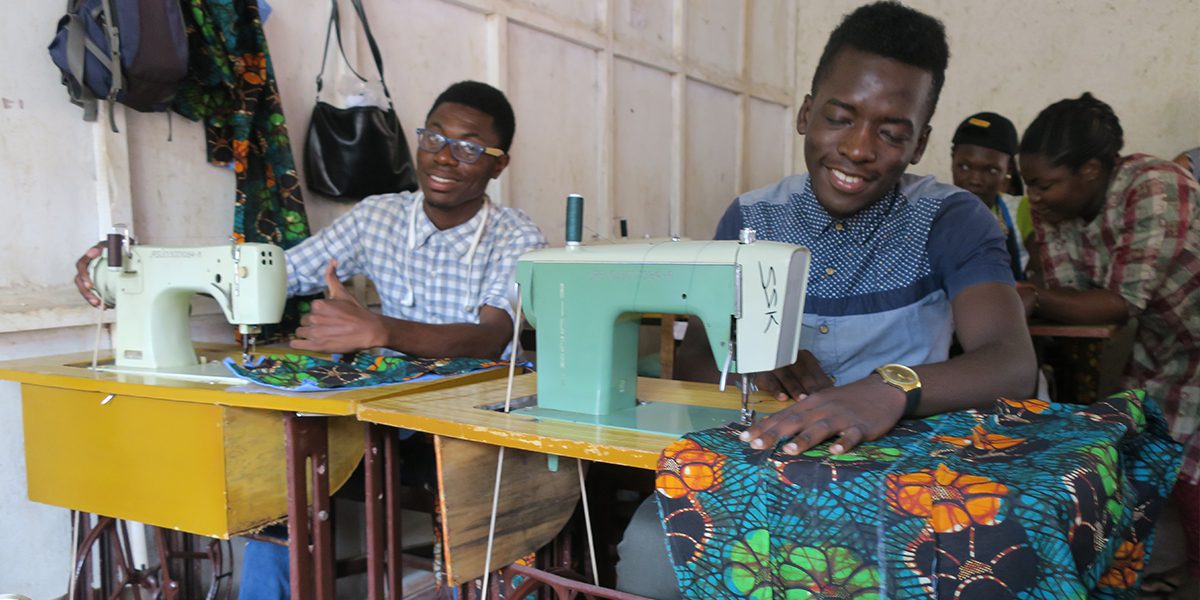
x: 778, y: 426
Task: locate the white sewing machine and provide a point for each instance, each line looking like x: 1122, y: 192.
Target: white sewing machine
x: 586, y: 303
x: 152, y: 289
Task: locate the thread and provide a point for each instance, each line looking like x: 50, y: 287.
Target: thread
x: 574, y: 219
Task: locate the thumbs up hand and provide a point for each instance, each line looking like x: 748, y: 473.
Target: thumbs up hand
x: 339, y: 323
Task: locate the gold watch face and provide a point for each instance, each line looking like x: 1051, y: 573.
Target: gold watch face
x: 899, y: 375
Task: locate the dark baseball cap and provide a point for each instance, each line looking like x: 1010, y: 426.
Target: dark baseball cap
x: 989, y: 130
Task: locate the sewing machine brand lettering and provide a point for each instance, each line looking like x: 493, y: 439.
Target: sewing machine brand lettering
x: 770, y: 293
x: 175, y: 253
x: 646, y: 274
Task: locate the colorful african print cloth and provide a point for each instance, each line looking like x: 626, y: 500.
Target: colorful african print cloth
x: 301, y: 373
x: 231, y: 87
x: 1145, y: 246
x: 1024, y: 500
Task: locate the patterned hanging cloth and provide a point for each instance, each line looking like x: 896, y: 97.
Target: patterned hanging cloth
x: 1024, y: 500
x: 231, y: 87
x: 302, y: 373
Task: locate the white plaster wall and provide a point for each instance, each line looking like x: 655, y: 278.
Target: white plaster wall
x: 1016, y: 57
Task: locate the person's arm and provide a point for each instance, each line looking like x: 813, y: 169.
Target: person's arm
x: 997, y: 360
x: 340, y: 324
x: 83, y: 279
x: 1078, y: 307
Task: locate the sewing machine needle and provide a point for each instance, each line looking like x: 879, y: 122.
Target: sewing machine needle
x: 247, y: 348
x: 747, y: 414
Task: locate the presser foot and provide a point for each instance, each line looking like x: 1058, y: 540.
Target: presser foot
x: 748, y: 415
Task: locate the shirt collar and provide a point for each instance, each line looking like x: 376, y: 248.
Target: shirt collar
x: 860, y: 226
x: 458, y: 238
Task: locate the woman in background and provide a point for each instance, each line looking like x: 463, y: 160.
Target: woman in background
x: 1115, y: 242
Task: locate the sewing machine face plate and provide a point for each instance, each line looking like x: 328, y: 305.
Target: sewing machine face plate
x: 214, y: 373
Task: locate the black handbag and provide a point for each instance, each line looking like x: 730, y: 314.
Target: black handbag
x: 357, y: 151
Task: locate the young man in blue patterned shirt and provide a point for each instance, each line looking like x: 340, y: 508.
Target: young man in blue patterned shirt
x: 900, y: 264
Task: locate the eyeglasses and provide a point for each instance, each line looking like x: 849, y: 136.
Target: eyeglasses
x: 462, y: 150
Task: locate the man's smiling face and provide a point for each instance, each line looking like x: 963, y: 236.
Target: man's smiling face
x: 865, y: 123
x: 447, y: 182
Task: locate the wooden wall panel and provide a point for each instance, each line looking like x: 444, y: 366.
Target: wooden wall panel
x: 710, y: 154
x: 553, y: 87
x: 714, y: 35
x: 769, y: 129
x: 643, y: 147
x: 645, y: 23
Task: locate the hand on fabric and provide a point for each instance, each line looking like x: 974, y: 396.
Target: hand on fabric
x: 83, y: 280
x: 802, y: 377
x: 338, y: 323
x: 864, y: 410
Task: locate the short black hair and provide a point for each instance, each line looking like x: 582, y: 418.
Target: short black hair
x: 1073, y: 131
x: 485, y: 99
x: 891, y: 30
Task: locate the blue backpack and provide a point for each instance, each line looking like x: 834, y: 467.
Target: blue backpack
x: 130, y: 51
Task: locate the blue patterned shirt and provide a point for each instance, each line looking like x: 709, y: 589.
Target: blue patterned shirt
x: 431, y: 279
x: 880, y: 281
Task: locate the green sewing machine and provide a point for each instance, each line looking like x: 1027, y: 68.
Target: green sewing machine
x: 586, y: 303
x: 152, y: 289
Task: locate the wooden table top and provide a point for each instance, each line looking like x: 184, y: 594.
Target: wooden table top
x: 72, y: 371
x: 1039, y: 328
x: 454, y: 412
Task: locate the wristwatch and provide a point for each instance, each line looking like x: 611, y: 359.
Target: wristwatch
x: 905, y: 380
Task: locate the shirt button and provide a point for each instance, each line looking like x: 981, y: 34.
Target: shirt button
x: 829, y: 271
x: 839, y: 226
x: 823, y: 329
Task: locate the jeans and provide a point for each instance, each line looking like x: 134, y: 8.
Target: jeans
x: 265, y: 568
x: 644, y: 567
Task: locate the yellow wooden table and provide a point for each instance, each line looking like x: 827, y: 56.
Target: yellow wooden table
x: 213, y: 459
x: 537, y: 496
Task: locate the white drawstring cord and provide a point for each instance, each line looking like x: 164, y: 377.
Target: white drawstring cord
x: 512, y: 370
x: 96, y: 341
x: 587, y: 521
x: 410, y: 244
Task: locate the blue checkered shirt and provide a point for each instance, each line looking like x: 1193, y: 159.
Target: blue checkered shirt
x: 372, y: 240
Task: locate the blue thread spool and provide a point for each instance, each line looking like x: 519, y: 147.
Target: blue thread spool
x: 574, y: 219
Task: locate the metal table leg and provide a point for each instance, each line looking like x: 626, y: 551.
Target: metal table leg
x: 310, y: 545
x: 384, y: 564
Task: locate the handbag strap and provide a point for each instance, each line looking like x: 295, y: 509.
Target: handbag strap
x: 336, y: 26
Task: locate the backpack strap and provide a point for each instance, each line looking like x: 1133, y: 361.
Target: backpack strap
x: 76, y: 41
x: 114, y: 66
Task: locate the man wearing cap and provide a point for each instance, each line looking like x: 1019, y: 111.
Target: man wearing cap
x: 983, y: 157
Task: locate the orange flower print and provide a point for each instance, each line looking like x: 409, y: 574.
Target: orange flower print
x: 1128, y: 561
x: 685, y: 468
x: 951, y: 501
x: 241, y: 148
x: 1032, y: 405
x: 981, y: 439
x: 253, y: 67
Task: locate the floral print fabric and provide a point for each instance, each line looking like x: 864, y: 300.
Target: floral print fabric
x: 231, y: 87
x: 1026, y: 499
x: 301, y: 373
